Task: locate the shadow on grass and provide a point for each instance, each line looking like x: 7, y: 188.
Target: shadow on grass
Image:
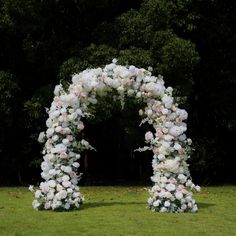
x: 204, y: 205
x: 107, y: 204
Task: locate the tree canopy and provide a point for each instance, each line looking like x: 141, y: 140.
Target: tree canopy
x: 190, y: 42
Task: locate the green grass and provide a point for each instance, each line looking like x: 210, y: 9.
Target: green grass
x: 118, y: 211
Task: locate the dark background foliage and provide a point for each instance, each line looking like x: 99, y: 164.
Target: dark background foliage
x: 190, y: 42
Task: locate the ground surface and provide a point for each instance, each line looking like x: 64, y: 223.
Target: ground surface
x: 118, y: 211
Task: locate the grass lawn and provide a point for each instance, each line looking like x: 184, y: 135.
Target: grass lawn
x: 118, y: 211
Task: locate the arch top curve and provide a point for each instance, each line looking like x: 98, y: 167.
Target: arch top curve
x: 172, y: 184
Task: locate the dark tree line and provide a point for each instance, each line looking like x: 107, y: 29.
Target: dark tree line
x: 190, y: 42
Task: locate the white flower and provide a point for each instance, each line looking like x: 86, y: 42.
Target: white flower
x: 149, y: 112
x: 140, y: 112
x: 57, y: 89
x: 163, y: 209
x: 41, y: 137
x: 55, y: 138
x: 63, y: 194
x: 52, y: 172
x: 170, y: 187
x: 148, y: 136
x: 80, y: 126
x: 182, y: 178
x: 58, y: 129
x: 167, y: 100
x: 179, y: 195
x: 198, y: 188
x: 156, y: 203
x: 169, y: 90
x: 177, y: 146
x: 164, y: 111
x: 67, y: 169
x: 31, y: 188
x: 66, y: 184
x: 161, y: 157
x: 37, y: 194
x: 189, y: 141
x: 114, y: 60
x: 52, y: 183
x: 167, y: 204
x: 50, y: 195
x: 67, y: 206
x: 59, y: 148
x: 171, y: 165
x: 49, y: 132
x: 65, y: 141
x: 59, y: 187
x: 76, y: 164
x: 176, y: 130
x: 35, y: 204
x: 65, y: 178
x: 84, y: 143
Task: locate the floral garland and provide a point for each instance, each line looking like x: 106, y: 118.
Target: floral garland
x: 171, y: 191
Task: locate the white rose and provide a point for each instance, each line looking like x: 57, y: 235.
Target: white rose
x: 179, y: 195
x: 52, y: 183
x: 148, y: 136
x: 63, y: 194
x: 76, y: 164
x: 55, y: 138
x: 36, y: 204
x: 164, y: 111
x: 65, y: 141
x: 161, y: 157
x: 58, y: 129
x: 156, y: 203
x: 67, y: 206
x: 49, y: 132
x: 177, y: 146
x: 66, y: 184
x: 65, y: 178
x: 167, y: 204
x: 37, y: 194
x: 41, y: 137
x: 68, y: 169
x: 170, y: 187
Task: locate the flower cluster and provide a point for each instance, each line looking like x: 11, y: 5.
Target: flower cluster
x: 172, y: 182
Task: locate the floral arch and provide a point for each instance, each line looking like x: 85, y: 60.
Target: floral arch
x: 172, y: 184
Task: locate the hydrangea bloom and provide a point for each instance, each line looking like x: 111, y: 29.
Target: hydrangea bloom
x: 171, y: 191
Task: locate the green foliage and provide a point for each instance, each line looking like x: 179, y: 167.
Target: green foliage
x: 163, y: 15
x: 90, y: 57
x: 135, y: 56
x: 133, y: 30
x: 9, y: 91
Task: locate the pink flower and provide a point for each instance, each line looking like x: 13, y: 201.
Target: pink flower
x: 159, y: 132
x: 63, y: 155
x: 47, y: 205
